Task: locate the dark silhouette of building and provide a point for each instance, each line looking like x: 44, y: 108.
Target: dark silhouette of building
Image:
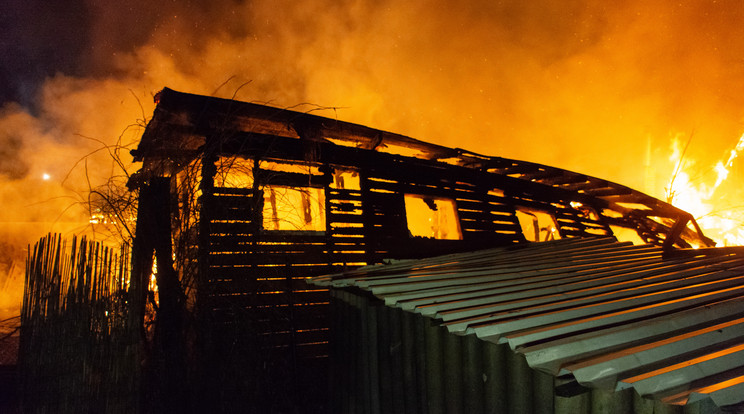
x: 240, y: 203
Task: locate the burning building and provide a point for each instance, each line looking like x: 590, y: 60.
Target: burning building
x: 239, y: 204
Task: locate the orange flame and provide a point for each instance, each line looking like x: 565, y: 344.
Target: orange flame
x: 708, y: 203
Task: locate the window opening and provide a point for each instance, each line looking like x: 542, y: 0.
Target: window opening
x: 537, y: 225
x: 345, y: 180
x: 234, y: 172
x: 432, y: 217
x: 294, y: 208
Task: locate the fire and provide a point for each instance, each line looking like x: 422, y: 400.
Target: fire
x: 708, y: 200
x: 722, y: 169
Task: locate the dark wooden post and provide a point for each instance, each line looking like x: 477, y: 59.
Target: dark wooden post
x: 153, y: 234
x: 142, y: 248
x: 209, y: 380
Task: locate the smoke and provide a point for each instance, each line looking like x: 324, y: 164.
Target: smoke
x: 594, y: 87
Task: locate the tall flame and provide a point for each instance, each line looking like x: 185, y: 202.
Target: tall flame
x: 710, y: 204
x: 723, y: 169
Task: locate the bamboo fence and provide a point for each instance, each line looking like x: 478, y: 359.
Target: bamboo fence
x: 79, y: 353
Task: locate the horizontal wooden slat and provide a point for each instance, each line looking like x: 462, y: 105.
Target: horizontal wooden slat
x: 238, y: 214
x: 220, y: 207
x: 227, y: 245
x: 271, y: 271
x: 296, y: 337
x: 307, y: 351
x: 343, y: 194
x: 234, y: 259
x: 345, y: 218
x: 484, y: 206
x: 268, y: 319
x: 345, y: 208
x: 224, y: 191
x: 245, y: 322
x: 220, y: 285
x: 244, y: 300
x: 233, y: 227
x: 484, y: 215
x: 346, y: 231
x: 402, y: 188
x: 291, y: 237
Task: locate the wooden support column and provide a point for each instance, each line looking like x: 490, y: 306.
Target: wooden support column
x: 153, y: 235
x: 142, y: 247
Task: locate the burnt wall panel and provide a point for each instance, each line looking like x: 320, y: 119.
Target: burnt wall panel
x: 256, y: 277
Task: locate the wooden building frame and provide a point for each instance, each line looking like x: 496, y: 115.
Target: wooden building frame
x: 219, y: 176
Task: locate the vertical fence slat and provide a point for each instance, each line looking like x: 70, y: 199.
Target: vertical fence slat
x: 75, y: 351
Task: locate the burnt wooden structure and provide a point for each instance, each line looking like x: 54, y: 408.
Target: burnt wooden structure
x: 261, y: 198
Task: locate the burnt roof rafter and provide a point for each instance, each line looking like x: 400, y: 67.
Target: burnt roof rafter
x: 185, y: 124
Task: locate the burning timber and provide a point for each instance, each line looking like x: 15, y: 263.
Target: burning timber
x: 240, y: 203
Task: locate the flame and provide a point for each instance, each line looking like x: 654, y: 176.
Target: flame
x: 723, y: 170
x: 708, y: 203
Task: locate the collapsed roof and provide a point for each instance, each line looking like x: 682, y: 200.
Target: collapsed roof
x: 183, y: 126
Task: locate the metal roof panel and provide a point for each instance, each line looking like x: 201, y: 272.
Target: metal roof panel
x: 610, y: 315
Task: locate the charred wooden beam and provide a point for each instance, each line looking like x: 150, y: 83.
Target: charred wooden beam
x: 153, y: 238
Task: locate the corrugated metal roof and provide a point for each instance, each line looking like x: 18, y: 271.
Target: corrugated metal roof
x: 600, y: 313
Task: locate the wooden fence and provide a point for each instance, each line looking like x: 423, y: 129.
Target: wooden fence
x: 79, y: 352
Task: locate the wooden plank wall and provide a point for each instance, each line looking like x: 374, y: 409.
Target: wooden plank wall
x: 260, y: 275
x: 485, y: 219
x: 264, y: 271
x: 261, y: 311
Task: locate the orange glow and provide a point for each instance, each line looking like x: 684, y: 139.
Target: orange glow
x: 294, y: 209
x: 682, y: 397
x: 707, y: 197
x: 431, y: 217
x: 537, y: 225
x: 234, y: 172
x: 693, y: 361
x: 346, y: 180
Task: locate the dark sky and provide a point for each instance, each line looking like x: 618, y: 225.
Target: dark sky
x: 40, y: 38
x: 37, y: 40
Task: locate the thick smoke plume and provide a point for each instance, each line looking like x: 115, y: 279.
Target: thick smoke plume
x: 595, y: 87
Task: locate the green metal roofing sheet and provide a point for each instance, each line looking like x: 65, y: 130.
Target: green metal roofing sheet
x: 602, y: 313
